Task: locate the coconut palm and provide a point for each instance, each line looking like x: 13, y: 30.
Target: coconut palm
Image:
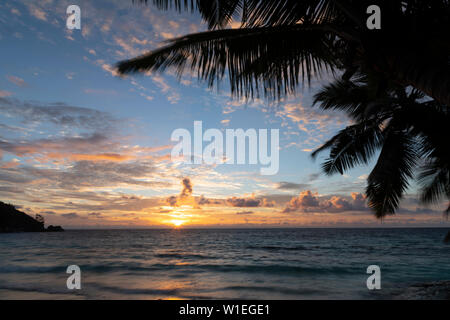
x: 282, y: 43
x: 394, y: 82
x: 399, y: 125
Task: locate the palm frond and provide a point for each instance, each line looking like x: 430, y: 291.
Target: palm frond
x: 254, y: 58
x: 345, y: 96
x: 352, y: 146
x: 389, y: 178
x: 436, y: 182
x: 257, y: 13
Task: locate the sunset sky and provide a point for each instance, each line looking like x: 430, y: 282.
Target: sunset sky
x: 86, y: 148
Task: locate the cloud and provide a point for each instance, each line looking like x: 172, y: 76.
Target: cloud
x: 308, y: 201
x: 283, y: 185
x: 139, y: 42
x: 306, y: 120
x: 70, y: 75
x: 4, y: 94
x: 184, y: 197
x: 93, y: 174
x: 313, y: 176
x: 108, y: 68
x: 37, y: 13
x: 59, y: 147
x: 187, y: 188
x: 11, y: 164
x: 172, y: 95
x: 48, y: 212
x: 167, y: 35
x: 57, y: 113
x: 91, y: 157
x: 129, y: 49
x: 17, y: 81
x: 107, y: 203
x: 249, y: 202
x: 202, y: 200
x: 71, y: 215
x: 16, y: 12
x: 244, y: 212
x: 95, y: 214
x: 84, y: 175
x: 101, y: 92
x: 174, y: 24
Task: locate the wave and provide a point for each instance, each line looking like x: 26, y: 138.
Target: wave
x: 183, y: 256
x: 437, y: 290
x: 139, y: 268
x: 278, y: 248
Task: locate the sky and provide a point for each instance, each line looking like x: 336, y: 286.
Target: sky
x: 86, y: 148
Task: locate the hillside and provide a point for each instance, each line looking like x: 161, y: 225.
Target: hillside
x: 13, y: 220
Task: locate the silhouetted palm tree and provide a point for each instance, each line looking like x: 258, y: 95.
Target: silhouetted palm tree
x: 385, y: 75
x: 283, y: 42
x: 408, y: 130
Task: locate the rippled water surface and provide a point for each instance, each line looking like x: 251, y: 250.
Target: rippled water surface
x: 224, y: 264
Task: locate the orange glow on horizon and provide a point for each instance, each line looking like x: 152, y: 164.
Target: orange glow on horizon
x: 177, y: 222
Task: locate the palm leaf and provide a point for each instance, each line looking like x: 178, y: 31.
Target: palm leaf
x: 256, y: 13
x: 253, y: 58
x: 389, y: 178
x: 352, y: 146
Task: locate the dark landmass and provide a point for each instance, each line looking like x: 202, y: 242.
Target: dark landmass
x: 13, y: 220
x: 54, y: 228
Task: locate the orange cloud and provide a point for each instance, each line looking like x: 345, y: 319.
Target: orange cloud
x: 17, y: 81
x: 308, y: 201
x: 92, y: 157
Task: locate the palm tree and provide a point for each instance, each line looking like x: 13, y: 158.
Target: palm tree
x: 391, y: 80
x: 408, y: 130
x: 281, y: 43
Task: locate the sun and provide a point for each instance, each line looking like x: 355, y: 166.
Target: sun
x: 177, y: 223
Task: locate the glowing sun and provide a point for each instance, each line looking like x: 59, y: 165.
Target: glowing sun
x: 177, y: 223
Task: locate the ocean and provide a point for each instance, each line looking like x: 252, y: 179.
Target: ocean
x: 226, y: 264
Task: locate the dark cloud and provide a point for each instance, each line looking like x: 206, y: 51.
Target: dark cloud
x: 89, y: 174
x: 202, y: 200
x: 419, y: 211
x: 9, y: 189
x: 313, y: 176
x: 48, y: 212
x: 57, y: 113
x: 187, y: 188
x: 83, y: 143
x: 172, y: 201
x: 95, y: 214
x: 283, y: 185
x: 14, y: 175
x: 244, y: 212
x: 71, y: 215
x: 109, y: 202
x: 184, y: 196
x: 249, y: 202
